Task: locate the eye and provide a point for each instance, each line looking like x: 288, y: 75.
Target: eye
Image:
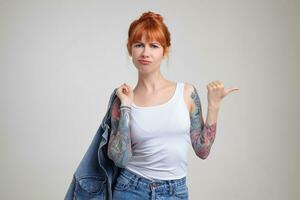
x: 154, y: 46
x: 137, y: 45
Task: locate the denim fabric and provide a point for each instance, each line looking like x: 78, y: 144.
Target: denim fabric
x: 96, y: 173
x: 131, y: 186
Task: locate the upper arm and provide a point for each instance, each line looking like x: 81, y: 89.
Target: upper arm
x: 195, y: 108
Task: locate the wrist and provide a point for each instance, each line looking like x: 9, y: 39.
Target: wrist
x: 125, y: 106
x: 213, y: 107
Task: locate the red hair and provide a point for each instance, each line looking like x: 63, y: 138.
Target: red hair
x: 152, y: 24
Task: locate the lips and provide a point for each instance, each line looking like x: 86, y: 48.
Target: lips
x: 144, y: 61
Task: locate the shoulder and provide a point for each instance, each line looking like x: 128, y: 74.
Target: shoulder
x: 188, y: 88
x: 189, y: 92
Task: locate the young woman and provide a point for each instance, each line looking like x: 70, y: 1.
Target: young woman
x: 154, y: 124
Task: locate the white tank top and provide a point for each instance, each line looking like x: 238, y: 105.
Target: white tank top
x: 160, y: 138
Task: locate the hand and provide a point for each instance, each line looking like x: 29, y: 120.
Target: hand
x: 216, y: 93
x: 125, y: 94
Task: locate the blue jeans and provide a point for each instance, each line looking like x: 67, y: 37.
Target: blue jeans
x: 131, y: 186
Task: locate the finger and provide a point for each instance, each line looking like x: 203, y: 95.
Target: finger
x: 214, y: 85
x: 220, y: 83
x: 127, y: 86
x: 231, y: 90
x: 210, y: 86
x: 123, y: 89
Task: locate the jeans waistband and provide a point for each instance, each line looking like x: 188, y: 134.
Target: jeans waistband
x: 134, y: 176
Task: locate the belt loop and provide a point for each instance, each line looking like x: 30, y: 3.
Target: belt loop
x: 136, y: 180
x: 170, y: 187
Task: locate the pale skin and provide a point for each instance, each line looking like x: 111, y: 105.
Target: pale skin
x: 152, y: 85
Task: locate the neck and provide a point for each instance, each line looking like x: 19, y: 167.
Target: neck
x: 150, y: 83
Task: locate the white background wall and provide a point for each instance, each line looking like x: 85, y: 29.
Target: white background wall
x: 60, y: 61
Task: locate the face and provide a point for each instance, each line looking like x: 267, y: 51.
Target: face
x: 143, y: 51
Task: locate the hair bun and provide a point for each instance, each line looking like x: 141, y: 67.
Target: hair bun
x: 151, y: 15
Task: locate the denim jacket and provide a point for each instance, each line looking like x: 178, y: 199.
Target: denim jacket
x: 96, y: 174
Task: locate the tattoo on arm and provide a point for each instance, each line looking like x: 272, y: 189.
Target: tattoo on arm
x: 119, y: 145
x: 202, y: 135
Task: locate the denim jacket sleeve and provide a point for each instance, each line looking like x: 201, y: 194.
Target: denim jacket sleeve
x: 70, y: 192
x: 96, y: 173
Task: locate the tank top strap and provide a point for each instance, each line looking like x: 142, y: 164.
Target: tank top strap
x: 180, y: 91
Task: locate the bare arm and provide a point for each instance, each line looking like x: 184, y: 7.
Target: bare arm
x: 202, y: 134
x: 119, y: 145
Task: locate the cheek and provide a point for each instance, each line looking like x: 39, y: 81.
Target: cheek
x: 159, y: 55
x: 135, y: 53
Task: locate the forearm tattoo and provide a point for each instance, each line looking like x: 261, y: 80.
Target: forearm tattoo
x: 119, y: 146
x: 202, y: 135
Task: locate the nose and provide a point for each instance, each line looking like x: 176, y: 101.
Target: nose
x: 145, y: 52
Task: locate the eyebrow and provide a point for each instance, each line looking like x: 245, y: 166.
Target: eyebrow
x: 157, y: 43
